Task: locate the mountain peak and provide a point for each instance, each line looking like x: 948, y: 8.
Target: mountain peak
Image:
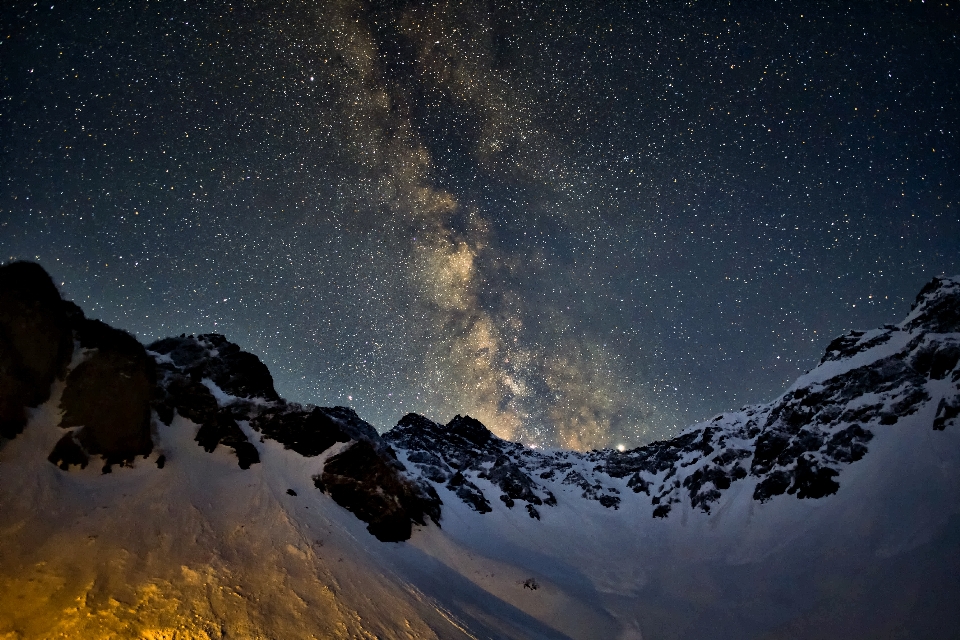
x: 937, y: 307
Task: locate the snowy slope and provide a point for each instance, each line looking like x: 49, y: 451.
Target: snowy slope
x: 833, y: 511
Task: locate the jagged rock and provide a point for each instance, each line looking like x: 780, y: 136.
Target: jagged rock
x: 68, y: 452
x: 353, y: 425
x: 221, y: 428
x: 936, y: 359
x: 188, y: 397
x: 774, y: 484
x: 360, y: 480
x: 947, y: 411
x: 308, y: 432
x: 516, y: 484
x: 937, y: 308
x: 469, y: 493
x: 212, y: 356
x: 465, y: 448
x: 35, y: 341
x: 109, y: 394
x: 853, y: 343
x: 469, y: 429
x: 813, y: 480
x: 185, y: 362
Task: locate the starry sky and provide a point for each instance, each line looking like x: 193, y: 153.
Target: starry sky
x: 584, y: 223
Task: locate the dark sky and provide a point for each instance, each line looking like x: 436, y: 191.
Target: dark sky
x: 583, y: 223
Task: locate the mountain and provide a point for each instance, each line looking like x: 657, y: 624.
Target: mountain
x: 167, y: 491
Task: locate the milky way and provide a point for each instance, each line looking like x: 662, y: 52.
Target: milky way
x: 584, y: 224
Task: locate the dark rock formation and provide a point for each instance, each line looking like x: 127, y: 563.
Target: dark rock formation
x: 212, y: 356
x: 184, y: 363
x: 109, y: 394
x: 463, y: 452
x: 35, y: 341
x: 221, y: 428
x: 936, y: 308
x: 68, y: 452
x: 372, y: 487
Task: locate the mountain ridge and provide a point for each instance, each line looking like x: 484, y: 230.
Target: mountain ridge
x: 797, y: 444
x: 831, y: 511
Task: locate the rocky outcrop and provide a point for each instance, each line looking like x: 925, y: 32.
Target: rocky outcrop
x: 370, y: 483
x: 108, y: 394
x: 35, y: 341
x: 936, y: 309
x: 190, y: 368
x: 213, y: 357
x: 464, y: 452
x: 216, y: 385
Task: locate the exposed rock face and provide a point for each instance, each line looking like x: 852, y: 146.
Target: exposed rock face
x: 309, y: 432
x: 68, y: 452
x: 212, y: 356
x: 109, y: 393
x: 461, y: 452
x: 371, y: 485
x: 35, y: 341
x: 186, y: 366
x: 936, y: 309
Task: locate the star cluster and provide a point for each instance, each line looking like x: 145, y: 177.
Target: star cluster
x: 585, y: 224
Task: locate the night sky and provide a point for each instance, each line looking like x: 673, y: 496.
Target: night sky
x: 586, y: 224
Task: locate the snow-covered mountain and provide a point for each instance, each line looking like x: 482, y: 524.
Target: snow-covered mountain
x: 167, y: 491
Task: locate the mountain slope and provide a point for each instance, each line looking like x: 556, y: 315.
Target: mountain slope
x: 832, y: 511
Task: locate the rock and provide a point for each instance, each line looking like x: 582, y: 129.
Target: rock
x: 813, y: 480
x: 109, y: 394
x: 308, y: 432
x: 363, y: 482
x: 221, y: 428
x: 185, y: 362
x: 937, y: 308
x: 212, y: 356
x: 68, y: 452
x: 947, y: 412
x: 35, y: 341
x: 190, y: 398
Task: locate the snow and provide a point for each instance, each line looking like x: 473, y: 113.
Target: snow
x: 202, y: 549
x: 199, y: 549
